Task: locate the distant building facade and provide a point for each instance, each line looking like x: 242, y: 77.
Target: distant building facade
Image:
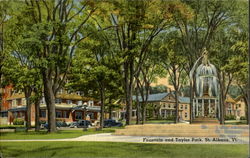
x: 236, y: 107
x: 164, y: 105
x: 68, y: 107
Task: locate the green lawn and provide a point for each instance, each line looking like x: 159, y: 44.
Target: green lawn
x: 10, y: 126
x: 236, y: 122
x: 58, y: 135
x: 105, y: 149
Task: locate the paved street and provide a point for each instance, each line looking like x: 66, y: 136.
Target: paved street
x: 108, y: 137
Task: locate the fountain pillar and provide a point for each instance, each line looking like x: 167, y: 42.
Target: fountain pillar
x: 197, y: 112
x: 209, y: 106
x: 202, y: 106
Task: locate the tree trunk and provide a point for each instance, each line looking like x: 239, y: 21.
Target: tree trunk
x: 222, y: 98
x: 126, y: 87
x: 37, y: 117
x: 129, y: 91
x: 177, y: 106
x: 246, y: 107
x: 191, y: 103
x: 110, y: 112
x: 50, y: 102
x: 143, y: 113
x: 137, y: 107
x: 131, y: 81
x: 102, y: 105
x: 27, y: 92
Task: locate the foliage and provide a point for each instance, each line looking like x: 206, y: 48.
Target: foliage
x: 230, y: 117
x: 18, y: 121
x: 158, y: 89
x: 243, y: 118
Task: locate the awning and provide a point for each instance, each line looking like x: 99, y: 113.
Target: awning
x: 18, y: 109
x: 89, y: 108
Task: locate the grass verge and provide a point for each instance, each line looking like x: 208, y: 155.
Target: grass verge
x: 61, y: 134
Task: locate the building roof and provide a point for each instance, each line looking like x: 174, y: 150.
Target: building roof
x: 16, y: 96
x: 160, y: 96
x: 153, y: 97
x: 21, y: 108
x: 238, y: 98
x: 184, y: 99
x: 230, y: 99
x: 72, y: 96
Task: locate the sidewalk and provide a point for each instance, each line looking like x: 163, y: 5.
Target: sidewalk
x: 108, y: 137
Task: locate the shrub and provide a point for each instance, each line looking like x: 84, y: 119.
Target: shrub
x: 230, y: 117
x: 42, y: 122
x: 243, y: 118
x: 170, y: 118
x: 18, y: 121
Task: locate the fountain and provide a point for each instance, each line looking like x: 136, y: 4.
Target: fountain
x: 206, y: 98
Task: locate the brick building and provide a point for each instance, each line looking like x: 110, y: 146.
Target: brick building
x: 68, y: 107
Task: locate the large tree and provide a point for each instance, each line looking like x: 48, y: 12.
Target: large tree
x: 174, y: 61
x: 137, y: 23
x: 96, y: 68
x: 54, y: 29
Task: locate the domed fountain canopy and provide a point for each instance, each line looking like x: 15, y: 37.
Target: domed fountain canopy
x: 206, y: 78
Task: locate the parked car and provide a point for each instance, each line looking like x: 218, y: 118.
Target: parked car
x: 73, y: 125
x: 111, y: 123
x: 46, y: 125
x: 83, y: 123
x: 80, y: 124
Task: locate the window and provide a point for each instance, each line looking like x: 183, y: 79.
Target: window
x: 91, y: 115
x: 162, y: 113
x: 60, y: 91
x: 186, y: 114
x: 42, y: 101
x: 181, y: 107
x: 58, y: 114
x: 65, y: 114
x: 239, y: 105
x: 69, y: 101
x: 23, y: 101
x: 43, y: 113
x: 168, y: 113
x: 19, y: 102
x: 78, y: 115
x: 15, y: 114
x: 4, y: 114
x: 133, y: 113
x: 14, y: 103
x: 186, y: 107
x: 169, y: 106
x: 79, y: 102
x: 58, y: 101
x: 173, y: 113
x: 90, y: 103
